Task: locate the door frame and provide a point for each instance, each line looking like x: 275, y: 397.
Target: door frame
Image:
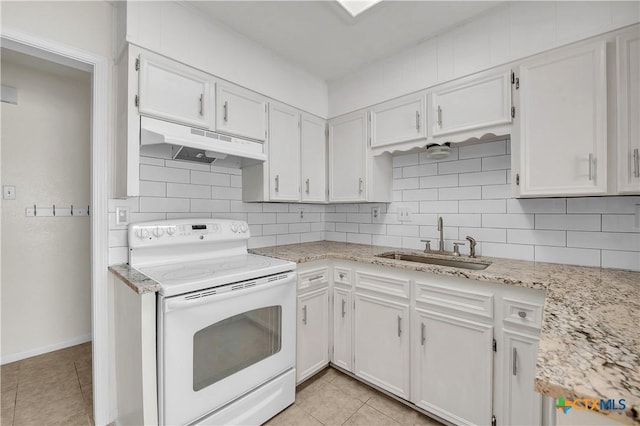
x: 98, y: 66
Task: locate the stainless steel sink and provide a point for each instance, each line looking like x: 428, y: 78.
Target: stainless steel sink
x: 454, y: 263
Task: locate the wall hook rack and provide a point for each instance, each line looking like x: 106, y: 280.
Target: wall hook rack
x: 54, y: 211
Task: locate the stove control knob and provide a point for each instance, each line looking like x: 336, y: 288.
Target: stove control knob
x: 158, y: 232
x: 234, y: 227
x: 171, y: 230
x: 243, y: 228
x: 142, y: 233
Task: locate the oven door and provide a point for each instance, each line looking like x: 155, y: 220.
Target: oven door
x: 213, y: 348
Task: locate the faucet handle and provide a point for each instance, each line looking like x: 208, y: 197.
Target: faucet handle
x: 456, y: 248
x: 427, y: 245
x: 472, y: 246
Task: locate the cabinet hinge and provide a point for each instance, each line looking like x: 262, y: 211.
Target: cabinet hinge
x: 493, y: 420
x: 137, y: 64
x: 513, y: 112
x: 136, y: 101
x: 518, y: 179
x: 515, y: 80
x: 494, y: 345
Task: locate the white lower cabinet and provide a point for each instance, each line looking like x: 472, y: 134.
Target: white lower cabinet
x: 454, y: 367
x: 312, y: 332
x: 381, y: 348
x: 342, y: 355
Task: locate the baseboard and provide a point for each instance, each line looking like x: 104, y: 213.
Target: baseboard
x: 6, y: 359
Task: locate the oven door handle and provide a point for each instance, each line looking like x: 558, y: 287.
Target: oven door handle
x: 177, y: 303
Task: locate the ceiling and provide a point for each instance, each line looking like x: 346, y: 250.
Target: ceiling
x: 322, y: 38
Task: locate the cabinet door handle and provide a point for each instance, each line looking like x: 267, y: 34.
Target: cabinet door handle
x: 307, y: 183
x: 418, y: 121
x: 317, y: 277
x: 202, y: 104
x: 304, y: 314
x: 399, y: 325
x: 225, y: 109
x: 522, y: 314
x: 439, y: 116
x: 344, y: 306
x: 277, y: 183
x: 341, y: 275
x: 591, y: 159
x: 423, y: 337
x: 515, y: 362
x: 360, y: 186
x: 636, y: 163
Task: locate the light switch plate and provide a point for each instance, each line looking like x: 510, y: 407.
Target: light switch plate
x: 375, y: 215
x: 9, y: 192
x: 122, y: 216
x: 404, y: 214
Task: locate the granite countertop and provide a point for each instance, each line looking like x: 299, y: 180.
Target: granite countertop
x: 139, y: 282
x: 590, y: 335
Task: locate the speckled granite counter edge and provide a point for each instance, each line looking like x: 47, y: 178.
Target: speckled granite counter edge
x: 136, y: 280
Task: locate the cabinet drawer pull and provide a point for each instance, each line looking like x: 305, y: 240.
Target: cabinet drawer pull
x: 341, y: 275
x: 522, y: 314
x: 317, y: 277
x: 636, y: 163
x: 399, y: 325
x: 202, y: 104
x: 439, y: 116
x: 277, y: 183
x: 307, y: 183
x: 515, y: 362
x: 591, y: 159
x: 418, y: 121
x: 423, y: 337
x: 304, y: 314
x: 225, y: 108
x: 344, y: 306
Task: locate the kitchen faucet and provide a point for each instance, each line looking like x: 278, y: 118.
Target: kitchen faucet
x: 441, y: 230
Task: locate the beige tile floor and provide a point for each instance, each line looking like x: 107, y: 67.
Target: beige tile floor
x: 49, y: 389
x: 333, y: 398
x: 55, y: 389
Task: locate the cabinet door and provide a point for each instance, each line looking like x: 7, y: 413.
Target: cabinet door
x: 454, y: 367
x: 523, y: 405
x: 342, y: 309
x: 174, y: 92
x: 628, y: 161
x: 473, y: 104
x: 313, y: 333
x: 381, y: 330
x: 284, y: 153
x: 313, y: 158
x: 562, y: 132
x: 401, y: 120
x: 240, y: 112
x: 347, y: 158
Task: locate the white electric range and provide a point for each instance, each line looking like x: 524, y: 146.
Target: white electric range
x: 226, y: 322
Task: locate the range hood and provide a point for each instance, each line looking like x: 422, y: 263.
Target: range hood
x: 178, y: 142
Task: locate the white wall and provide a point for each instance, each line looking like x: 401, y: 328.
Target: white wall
x: 184, y: 34
x: 471, y: 191
x: 177, y: 189
x: 46, y: 263
x: 510, y: 31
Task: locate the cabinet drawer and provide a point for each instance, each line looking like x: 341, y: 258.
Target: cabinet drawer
x: 453, y: 300
x: 381, y: 284
x: 342, y: 276
x: 517, y: 312
x: 313, y: 277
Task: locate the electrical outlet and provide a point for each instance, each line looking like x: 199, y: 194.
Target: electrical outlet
x: 375, y: 215
x: 404, y: 214
x: 9, y: 192
x: 122, y: 216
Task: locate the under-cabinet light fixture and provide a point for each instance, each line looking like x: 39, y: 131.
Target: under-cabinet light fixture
x: 438, y: 152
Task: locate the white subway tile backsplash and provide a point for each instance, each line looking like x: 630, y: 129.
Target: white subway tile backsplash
x: 617, y: 205
x: 499, y: 162
x: 482, y: 206
x: 347, y: 227
x: 569, y: 222
x: 460, y: 166
x: 185, y: 190
x: 621, y: 259
x: 340, y: 237
x: 492, y: 235
x: 275, y: 208
x: 275, y: 229
x: 307, y: 237
x: 261, y: 218
x: 118, y: 238
x: 164, y: 174
x: 420, y: 170
x: 496, y: 177
x: 187, y: 165
x: 239, y: 206
x: 439, y: 181
x: 287, y: 239
x: 359, y: 238
x: 211, y: 206
x: 236, y: 181
x: 432, y: 233
x: 152, y: 161
x: 438, y: 207
x: 540, y: 205
x: 419, y: 194
x: 604, y: 240
x: 153, y: 189
x: 287, y: 217
x: 157, y: 204
x: 536, y: 237
x: 509, y: 251
x: 373, y: 228
x: 299, y: 227
x: 619, y: 223
x: 517, y: 221
x: 409, y: 183
x: 571, y: 256
x: 359, y: 217
x: 403, y: 230
x: 256, y: 242
x: 483, y: 149
x: 118, y: 255
x: 467, y: 220
x: 208, y: 178
x: 226, y: 193
x: 405, y: 160
x: 496, y: 192
x: 460, y: 193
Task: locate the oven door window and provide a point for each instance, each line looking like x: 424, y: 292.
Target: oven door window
x: 235, y: 343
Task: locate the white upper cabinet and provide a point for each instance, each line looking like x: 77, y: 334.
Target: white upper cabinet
x: 240, y: 112
x: 628, y: 158
x: 313, y: 159
x: 347, y: 158
x: 284, y: 153
x: 174, y: 92
x: 400, y: 120
x: 473, y: 103
x: 559, y: 143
